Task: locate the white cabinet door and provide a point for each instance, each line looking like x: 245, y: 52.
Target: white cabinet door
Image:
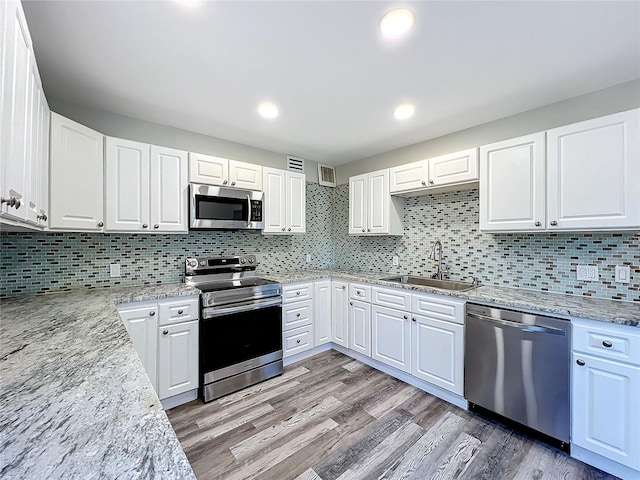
x: 512, y: 184
x: 322, y: 312
x: 208, y: 169
x: 391, y: 337
x: 274, y: 209
x: 127, y: 185
x: 76, y: 180
x: 605, y: 409
x: 142, y: 324
x: 15, y: 137
x: 453, y: 168
x: 358, y: 201
x: 437, y: 353
x: 594, y: 173
x: 295, y: 202
x: 340, y: 313
x: 405, y: 178
x: 43, y: 148
x: 378, y: 202
x: 34, y: 157
x: 177, y: 359
x: 245, y: 175
x: 360, y: 327
x: 168, y: 189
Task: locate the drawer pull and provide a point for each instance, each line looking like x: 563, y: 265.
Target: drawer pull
x: 607, y: 343
x: 298, y: 315
x: 351, y: 303
x: 152, y: 313
x: 298, y: 341
x: 180, y: 312
x: 298, y: 293
x: 413, y: 319
x: 358, y: 292
x: 165, y: 332
x: 405, y: 317
x: 580, y: 362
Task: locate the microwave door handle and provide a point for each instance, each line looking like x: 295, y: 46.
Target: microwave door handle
x: 248, y: 210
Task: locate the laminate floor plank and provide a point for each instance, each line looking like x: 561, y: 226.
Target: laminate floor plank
x: 332, y: 417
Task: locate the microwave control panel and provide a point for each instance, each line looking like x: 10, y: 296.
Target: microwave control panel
x: 256, y: 210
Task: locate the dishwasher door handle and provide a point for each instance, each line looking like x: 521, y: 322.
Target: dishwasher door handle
x: 524, y: 327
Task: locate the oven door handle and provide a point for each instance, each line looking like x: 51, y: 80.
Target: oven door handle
x: 212, y: 312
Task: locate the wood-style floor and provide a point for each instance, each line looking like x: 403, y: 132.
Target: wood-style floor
x: 331, y: 417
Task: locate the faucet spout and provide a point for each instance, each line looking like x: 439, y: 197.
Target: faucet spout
x: 436, y: 254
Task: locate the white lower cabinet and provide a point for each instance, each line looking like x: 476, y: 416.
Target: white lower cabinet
x: 340, y: 313
x: 297, y: 340
x: 605, y: 397
x: 322, y: 312
x: 141, y: 321
x: 391, y: 337
x: 297, y: 318
x: 177, y: 359
x: 360, y: 327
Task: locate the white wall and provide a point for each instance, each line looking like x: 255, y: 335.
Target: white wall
x: 120, y: 126
x: 614, y: 99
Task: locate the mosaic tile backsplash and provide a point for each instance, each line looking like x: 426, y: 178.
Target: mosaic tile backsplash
x: 46, y: 262
x: 544, y: 262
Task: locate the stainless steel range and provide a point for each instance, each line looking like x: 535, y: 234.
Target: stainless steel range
x: 240, y: 324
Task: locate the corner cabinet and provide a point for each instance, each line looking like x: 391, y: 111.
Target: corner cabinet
x: 584, y: 177
x: 76, y: 180
x: 146, y: 188
x: 284, y: 201
x: 372, y: 209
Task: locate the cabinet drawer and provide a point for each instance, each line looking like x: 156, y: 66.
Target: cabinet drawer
x: 358, y: 291
x: 297, y: 340
x: 297, y: 291
x: 391, y: 297
x: 614, y: 342
x: 297, y: 314
x: 178, y: 310
x: 434, y: 306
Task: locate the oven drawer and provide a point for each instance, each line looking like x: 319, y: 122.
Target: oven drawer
x: 296, y: 314
x: 297, y: 340
x: 297, y: 291
x: 178, y: 311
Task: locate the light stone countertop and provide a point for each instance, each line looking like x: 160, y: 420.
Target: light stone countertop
x: 75, y: 401
x: 609, y: 311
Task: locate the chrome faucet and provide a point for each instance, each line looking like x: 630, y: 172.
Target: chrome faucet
x: 436, y: 254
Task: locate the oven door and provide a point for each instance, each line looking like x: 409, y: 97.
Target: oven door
x: 237, y: 338
x: 221, y: 208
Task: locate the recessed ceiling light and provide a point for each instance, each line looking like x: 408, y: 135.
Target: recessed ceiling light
x: 268, y: 110
x: 396, y: 23
x: 189, y: 3
x: 404, y: 111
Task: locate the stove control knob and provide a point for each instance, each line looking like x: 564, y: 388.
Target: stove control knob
x: 242, y: 260
x: 251, y: 260
x: 203, y: 263
x: 192, y: 263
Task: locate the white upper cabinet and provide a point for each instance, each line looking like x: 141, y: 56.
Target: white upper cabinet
x: 284, y: 201
x: 168, y: 189
x: 421, y: 177
x: 585, y: 177
x: 220, y: 171
x: 512, y: 186
x: 146, y: 187
x: 76, y: 179
x: 593, y: 173
x: 372, y: 209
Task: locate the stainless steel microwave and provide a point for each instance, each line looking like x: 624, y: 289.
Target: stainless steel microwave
x: 222, y: 208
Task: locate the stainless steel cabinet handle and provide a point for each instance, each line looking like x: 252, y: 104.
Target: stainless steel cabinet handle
x: 580, y: 362
x: 42, y: 217
x: 431, y: 182
x: 144, y: 225
x: 297, y: 315
x: 363, y: 229
x: 156, y: 226
x: 180, y: 312
x: 607, y: 343
x: 413, y: 319
x: 368, y: 229
x: 351, y: 303
x: 297, y: 341
x: 289, y: 229
x: 283, y: 229
x: 405, y: 317
x: 538, y: 224
x: 233, y: 184
x: 100, y: 224
x: 165, y: 332
x: 152, y: 313
x: 298, y: 293
x: 358, y: 292
x: 344, y: 286
x: 423, y: 182
x: 225, y: 182
x: 553, y: 223
x: 12, y: 202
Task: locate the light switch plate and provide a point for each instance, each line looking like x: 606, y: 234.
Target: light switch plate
x: 588, y: 273
x: 395, y: 260
x: 623, y: 274
x: 114, y: 270
x: 308, y: 258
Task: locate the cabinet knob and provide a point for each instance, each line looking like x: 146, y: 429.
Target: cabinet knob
x: 368, y: 229
x: 363, y: 229
x: 180, y: 312
x: 298, y: 341
x: 298, y: 315
x: 580, y: 362
x: 405, y: 317
x: 233, y: 184
x: 144, y: 225
x: 225, y: 182
x: 553, y: 223
x: 413, y: 319
x: 351, y: 303
x: 283, y: 229
x: 100, y: 224
x: 289, y: 229
x: 538, y: 224
x: 358, y: 292
x: 12, y: 202
x: 298, y: 292
x: 431, y: 182
x: 165, y: 332
x: 423, y: 182
x: 156, y: 226
x: 43, y: 217
x: 344, y: 286
x: 607, y: 343
x: 152, y: 313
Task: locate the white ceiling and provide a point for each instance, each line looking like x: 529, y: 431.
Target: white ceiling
x: 205, y: 68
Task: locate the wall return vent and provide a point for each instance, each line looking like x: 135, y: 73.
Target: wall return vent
x: 295, y: 163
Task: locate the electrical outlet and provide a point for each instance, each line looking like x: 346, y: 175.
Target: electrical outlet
x: 623, y: 274
x: 588, y: 273
x: 308, y: 258
x: 114, y: 270
x: 395, y: 260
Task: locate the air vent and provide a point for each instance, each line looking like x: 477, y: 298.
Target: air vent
x: 326, y: 175
x: 295, y: 163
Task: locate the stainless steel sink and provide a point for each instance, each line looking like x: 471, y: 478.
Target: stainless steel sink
x: 431, y: 282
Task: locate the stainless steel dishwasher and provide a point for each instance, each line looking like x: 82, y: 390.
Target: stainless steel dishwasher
x: 517, y: 366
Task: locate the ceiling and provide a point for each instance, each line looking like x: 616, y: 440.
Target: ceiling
x: 206, y: 66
